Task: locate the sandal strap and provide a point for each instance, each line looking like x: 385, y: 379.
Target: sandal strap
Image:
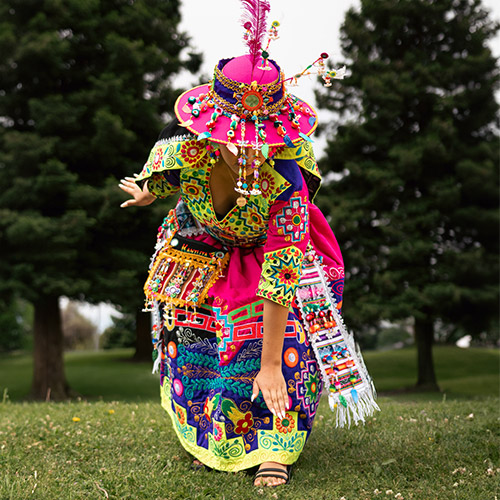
x: 263, y: 473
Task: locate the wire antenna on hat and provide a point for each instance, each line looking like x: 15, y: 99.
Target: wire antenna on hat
x: 318, y: 68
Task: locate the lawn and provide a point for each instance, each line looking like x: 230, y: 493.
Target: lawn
x: 120, y: 444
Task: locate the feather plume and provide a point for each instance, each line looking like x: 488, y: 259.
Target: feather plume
x: 255, y: 12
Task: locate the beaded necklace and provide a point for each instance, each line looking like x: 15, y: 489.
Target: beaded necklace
x: 241, y: 185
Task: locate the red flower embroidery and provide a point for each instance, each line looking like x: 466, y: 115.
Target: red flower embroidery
x: 191, y: 152
x: 267, y: 184
x: 288, y: 275
x: 157, y: 159
x: 244, y: 424
x: 207, y: 410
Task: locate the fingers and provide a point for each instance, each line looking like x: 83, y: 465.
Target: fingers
x: 128, y: 203
x: 281, y: 404
x: 276, y: 402
x: 130, y: 187
x: 275, y: 395
x: 255, y: 390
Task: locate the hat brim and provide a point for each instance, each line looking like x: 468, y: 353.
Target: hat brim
x: 197, y: 125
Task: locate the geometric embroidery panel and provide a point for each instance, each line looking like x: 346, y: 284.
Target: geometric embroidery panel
x: 293, y: 219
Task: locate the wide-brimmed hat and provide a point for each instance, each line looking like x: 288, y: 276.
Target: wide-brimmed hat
x: 246, y: 102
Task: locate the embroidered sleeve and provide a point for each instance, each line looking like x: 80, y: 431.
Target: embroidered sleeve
x: 287, y: 239
x: 164, y: 184
x: 166, y: 159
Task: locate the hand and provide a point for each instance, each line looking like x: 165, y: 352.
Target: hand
x: 140, y: 197
x: 271, y: 383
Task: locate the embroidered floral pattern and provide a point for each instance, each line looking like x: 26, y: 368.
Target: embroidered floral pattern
x: 192, y: 151
x: 156, y: 163
x: 172, y: 154
x: 267, y: 183
x: 244, y: 424
x: 286, y: 424
x: 289, y: 275
x: 208, y: 372
x: 280, y: 275
x: 217, y: 432
x: 207, y: 409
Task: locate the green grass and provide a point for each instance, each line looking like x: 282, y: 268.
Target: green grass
x: 101, y: 375
x: 424, y: 451
x: 422, y: 446
x: 461, y: 373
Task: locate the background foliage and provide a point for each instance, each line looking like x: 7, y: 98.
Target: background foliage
x: 414, y: 192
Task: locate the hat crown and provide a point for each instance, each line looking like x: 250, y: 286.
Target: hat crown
x: 242, y: 69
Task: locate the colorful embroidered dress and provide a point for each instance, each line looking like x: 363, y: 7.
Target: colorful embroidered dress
x: 208, y: 364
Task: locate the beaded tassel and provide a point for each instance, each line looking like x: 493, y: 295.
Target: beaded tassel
x: 241, y: 184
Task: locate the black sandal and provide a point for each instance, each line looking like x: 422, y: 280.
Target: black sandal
x: 273, y: 472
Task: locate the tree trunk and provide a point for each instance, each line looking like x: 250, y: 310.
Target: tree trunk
x: 143, y: 345
x: 424, y: 338
x: 49, y: 380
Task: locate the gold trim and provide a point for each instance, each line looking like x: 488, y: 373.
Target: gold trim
x: 271, y: 87
x: 226, y: 141
x: 182, y: 258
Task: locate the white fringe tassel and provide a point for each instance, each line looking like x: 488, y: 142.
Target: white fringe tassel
x: 364, y: 408
x: 156, y: 364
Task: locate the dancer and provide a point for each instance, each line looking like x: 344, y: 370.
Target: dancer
x: 245, y: 285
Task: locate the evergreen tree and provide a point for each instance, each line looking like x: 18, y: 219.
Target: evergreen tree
x: 82, y: 89
x: 416, y: 163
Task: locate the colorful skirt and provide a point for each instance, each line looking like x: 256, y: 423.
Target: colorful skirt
x: 208, y: 361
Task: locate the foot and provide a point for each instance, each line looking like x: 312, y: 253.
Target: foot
x: 270, y: 479
x: 197, y: 465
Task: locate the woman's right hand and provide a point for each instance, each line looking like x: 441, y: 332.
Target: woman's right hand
x: 140, y: 197
x: 271, y: 383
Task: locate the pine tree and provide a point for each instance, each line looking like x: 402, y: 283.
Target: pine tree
x: 82, y: 89
x: 415, y: 190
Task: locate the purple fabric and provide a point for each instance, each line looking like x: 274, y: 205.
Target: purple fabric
x: 290, y: 170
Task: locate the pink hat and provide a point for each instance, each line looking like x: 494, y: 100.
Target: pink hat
x: 246, y: 105
x: 246, y: 102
